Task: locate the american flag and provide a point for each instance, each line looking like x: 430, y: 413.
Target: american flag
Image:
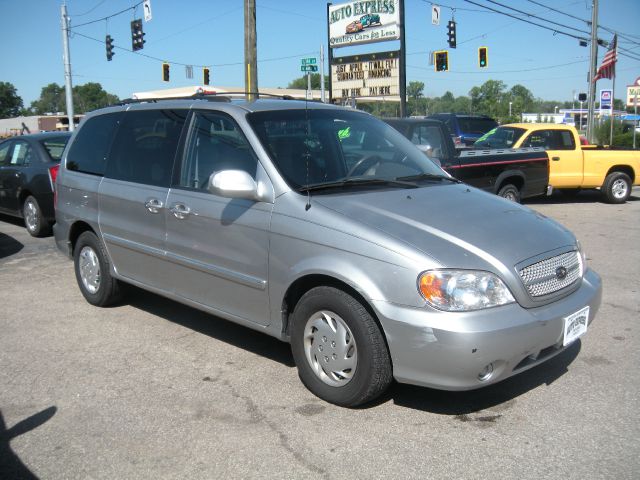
x: 608, y: 67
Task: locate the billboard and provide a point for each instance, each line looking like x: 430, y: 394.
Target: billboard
x: 367, y: 21
x: 376, y: 75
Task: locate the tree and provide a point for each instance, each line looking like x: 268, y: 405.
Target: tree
x: 301, y: 83
x: 87, y: 97
x: 10, y: 102
x: 91, y: 96
x: 51, y: 100
x: 414, y: 90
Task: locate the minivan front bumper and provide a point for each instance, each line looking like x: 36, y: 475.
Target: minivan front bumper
x: 468, y: 350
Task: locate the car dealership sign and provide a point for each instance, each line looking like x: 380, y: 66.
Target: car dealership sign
x: 366, y: 21
x: 362, y: 76
x: 633, y: 91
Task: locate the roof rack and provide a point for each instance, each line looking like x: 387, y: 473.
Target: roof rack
x: 209, y: 96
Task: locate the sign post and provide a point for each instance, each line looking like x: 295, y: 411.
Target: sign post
x: 308, y: 65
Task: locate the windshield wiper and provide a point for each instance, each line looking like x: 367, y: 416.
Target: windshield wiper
x: 428, y: 176
x: 356, y: 182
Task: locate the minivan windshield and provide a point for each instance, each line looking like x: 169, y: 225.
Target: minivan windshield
x: 501, y: 137
x: 340, y: 148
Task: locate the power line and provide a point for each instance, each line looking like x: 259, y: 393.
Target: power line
x: 191, y: 64
x: 555, y: 31
x: 108, y: 16
x: 88, y: 11
x: 530, y: 22
x: 539, y: 18
x: 510, y: 71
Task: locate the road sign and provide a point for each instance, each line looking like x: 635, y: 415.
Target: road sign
x: 308, y: 61
x: 308, y: 68
x: 435, y: 15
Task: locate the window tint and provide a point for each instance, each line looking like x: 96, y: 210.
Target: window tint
x: 215, y: 143
x: 4, y: 152
x: 21, y: 154
x: 145, y: 146
x: 88, y: 153
x: 55, y: 147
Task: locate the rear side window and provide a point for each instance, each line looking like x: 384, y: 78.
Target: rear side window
x: 476, y: 125
x: 4, y: 152
x: 88, y: 153
x: 145, y: 146
x: 55, y: 147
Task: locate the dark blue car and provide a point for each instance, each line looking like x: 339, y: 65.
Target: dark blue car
x: 466, y: 129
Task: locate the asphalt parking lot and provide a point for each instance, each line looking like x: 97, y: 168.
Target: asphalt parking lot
x: 153, y: 389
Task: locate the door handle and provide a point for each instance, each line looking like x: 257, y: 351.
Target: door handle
x: 153, y: 205
x: 180, y: 211
x: 555, y: 158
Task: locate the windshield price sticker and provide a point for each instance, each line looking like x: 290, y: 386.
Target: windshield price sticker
x: 575, y: 325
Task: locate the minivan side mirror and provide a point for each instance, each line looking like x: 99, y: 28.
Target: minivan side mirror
x: 234, y: 184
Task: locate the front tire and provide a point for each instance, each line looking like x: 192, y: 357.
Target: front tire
x: 36, y: 224
x: 338, y: 348
x: 93, y: 271
x: 616, y: 187
x: 510, y: 192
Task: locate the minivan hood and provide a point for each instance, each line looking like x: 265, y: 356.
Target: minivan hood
x: 456, y: 225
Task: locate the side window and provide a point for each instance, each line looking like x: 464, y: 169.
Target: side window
x: 215, y: 143
x: 564, y: 140
x: 88, y: 153
x: 21, y: 154
x: 541, y: 138
x: 145, y: 145
x: 4, y: 152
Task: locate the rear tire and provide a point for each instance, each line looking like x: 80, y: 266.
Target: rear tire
x: 36, y: 224
x: 616, y: 187
x: 338, y: 348
x: 510, y: 192
x: 93, y: 271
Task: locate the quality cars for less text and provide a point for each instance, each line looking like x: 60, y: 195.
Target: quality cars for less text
x: 326, y: 228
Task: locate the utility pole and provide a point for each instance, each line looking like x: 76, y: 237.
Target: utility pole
x: 403, y: 63
x: 593, y: 63
x: 322, y: 73
x: 66, y: 58
x: 250, y: 51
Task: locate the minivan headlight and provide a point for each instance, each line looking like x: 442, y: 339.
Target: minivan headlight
x: 463, y: 290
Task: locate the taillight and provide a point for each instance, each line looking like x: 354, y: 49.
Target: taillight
x: 53, y: 174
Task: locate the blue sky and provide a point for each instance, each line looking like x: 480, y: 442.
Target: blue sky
x: 210, y: 32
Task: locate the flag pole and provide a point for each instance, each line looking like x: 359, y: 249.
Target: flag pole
x: 613, y: 103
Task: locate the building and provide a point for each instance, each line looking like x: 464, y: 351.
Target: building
x: 10, y: 127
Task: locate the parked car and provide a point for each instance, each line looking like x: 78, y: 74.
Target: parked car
x: 512, y: 174
x: 370, y: 19
x: 326, y: 228
x: 28, y: 168
x: 354, y: 27
x: 465, y: 129
x: 573, y: 165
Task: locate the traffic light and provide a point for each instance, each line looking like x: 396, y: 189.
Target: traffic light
x: 205, y: 76
x: 442, y: 61
x: 165, y: 72
x: 451, y: 34
x: 109, y: 44
x: 137, y: 35
x: 483, y: 57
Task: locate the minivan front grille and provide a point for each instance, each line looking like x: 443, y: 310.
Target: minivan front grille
x: 552, y: 274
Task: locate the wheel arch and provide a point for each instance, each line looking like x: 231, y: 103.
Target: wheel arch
x: 77, y: 229
x: 305, y: 283
x: 626, y: 169
x: 513, y: 177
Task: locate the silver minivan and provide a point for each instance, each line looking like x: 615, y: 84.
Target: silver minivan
x: 326, y: 228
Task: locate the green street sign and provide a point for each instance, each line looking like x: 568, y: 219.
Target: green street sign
x: 308, y: 68
x: 308, y: 61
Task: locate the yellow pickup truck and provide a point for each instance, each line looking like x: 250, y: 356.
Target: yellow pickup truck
x: 572, y: 165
